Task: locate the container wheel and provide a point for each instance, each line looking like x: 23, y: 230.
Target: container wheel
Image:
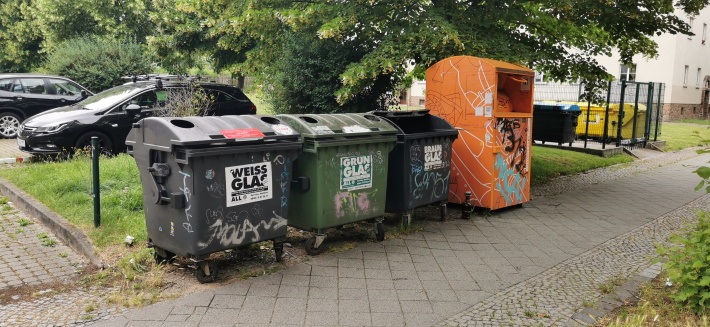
x: 379, y: 232
x: 278, y: 252
x: 310, y: 246
x: 166, y: 257
x: 208, y: 276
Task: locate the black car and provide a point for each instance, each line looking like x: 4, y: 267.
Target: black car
x: 110, y: 114
x: 25, y: 95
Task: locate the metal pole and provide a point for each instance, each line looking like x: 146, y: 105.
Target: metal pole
x: 586, y: 129
x: 95, y: 172
x: 620, y: 114
x: 606, y: 116
x: 649, y: 112
x: 636, y: 117
x: 661, y: 89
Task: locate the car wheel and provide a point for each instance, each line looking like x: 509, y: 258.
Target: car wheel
x: 9, y: 124
x: 83, y: 143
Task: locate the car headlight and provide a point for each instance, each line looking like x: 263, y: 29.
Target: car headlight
x: 53, y: 127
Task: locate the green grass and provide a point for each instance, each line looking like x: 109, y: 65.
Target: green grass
x: 548, y: 163
x: 262, y: 107
x: 65, y: 187
x: 681, y: 136
x: 696, y: 121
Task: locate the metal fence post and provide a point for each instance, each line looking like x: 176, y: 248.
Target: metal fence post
x: 621, y: 113
x: 95, y: 172
x: 605, y: 136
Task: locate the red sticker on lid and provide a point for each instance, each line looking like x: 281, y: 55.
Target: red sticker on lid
x: 241, y: 133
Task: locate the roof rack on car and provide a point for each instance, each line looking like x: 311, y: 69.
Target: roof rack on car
x: 165, y: 77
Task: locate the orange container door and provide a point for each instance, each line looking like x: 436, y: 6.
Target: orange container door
x: 511, y: 169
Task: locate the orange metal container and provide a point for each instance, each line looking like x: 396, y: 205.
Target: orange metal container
x: 491, y: 103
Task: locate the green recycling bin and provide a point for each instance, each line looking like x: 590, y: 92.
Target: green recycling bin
x: 344, y: 160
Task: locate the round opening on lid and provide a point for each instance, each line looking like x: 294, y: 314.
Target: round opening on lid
x: 182, y: 123
x: 270, y: 120
x: 309, y: 119
x: 372, y: 118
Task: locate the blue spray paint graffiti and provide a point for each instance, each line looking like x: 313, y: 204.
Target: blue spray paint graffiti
x: 509, y: 183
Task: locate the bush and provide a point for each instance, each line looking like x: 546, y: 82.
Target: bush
x: 97, y: 63
x: 689, y: 264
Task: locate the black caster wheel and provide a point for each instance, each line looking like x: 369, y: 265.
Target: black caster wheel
x: 165, y: 257
x: 279, y: 252
x: 310, y: 246
x: 379, y: 232
x: 209, y: 276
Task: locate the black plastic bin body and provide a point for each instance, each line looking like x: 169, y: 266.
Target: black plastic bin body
x: 213, y: 183
x: 420, y: 163
x: 556, y: 122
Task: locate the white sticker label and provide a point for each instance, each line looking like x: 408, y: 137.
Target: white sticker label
x: 489, y: 97
x: 355, y: 129
x: 479, y: 111
x: 282, y: 129
x: 248, y: 183
x: 355, y: 172
x: 433, y: 157
x: 320, y: 130
x: 489, y: 111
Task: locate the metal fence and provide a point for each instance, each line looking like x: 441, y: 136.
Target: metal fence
x: 630, y: 116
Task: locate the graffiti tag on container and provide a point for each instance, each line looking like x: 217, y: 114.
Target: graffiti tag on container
x: 248, y: 183
x: 356, y: 172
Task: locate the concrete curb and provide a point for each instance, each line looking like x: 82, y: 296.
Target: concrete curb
x: 61, y: 228
x: 589, y: 316
x: 14, y: 160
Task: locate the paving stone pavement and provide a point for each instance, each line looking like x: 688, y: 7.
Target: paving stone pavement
x: 527, y: 266
x: 26, y: 263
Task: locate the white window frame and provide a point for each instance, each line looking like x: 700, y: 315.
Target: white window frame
x: 629, y: 74
x: 697, y: 78
x: 691, y: 19
x: 705, y: 33
x: 539, y: 78
x: 685, y: 76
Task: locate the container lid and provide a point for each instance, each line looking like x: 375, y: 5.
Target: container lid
x: 556, y: 106
x: 338, y: 125
x: 209, y: 131
x: 416, y: 121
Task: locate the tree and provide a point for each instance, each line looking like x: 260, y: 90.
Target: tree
x: 20, y: 38
x: 98, y: 63
x: 30, y: 29
x: 559, y: 37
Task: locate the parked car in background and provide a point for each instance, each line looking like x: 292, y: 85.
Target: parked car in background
x: 110, y: 115
x: 25, y: 95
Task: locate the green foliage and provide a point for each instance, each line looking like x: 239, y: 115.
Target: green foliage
x: 549, y: 163
x: 69, y: 194
x: 560, y: 38
x: 688, y: 265
x: 30, y: 29
x: 306, y: 78
x: 96, y: 63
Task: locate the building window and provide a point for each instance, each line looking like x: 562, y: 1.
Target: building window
x: 539, y: 78
x: 691, y: 19
x: 697, y: 78
x: 705, y: 33
x: 628, y: 73
x: 685, y: 76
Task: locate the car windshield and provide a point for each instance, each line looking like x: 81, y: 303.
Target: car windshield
x: 110, y: 97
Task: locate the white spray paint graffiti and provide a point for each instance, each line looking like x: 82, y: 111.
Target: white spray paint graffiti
x: 228, y: 231
x: 188, y: 194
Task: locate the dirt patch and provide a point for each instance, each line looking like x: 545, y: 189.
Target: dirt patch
x: 34, y: 292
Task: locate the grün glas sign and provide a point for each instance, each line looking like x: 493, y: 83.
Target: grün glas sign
x: 356, y: 172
